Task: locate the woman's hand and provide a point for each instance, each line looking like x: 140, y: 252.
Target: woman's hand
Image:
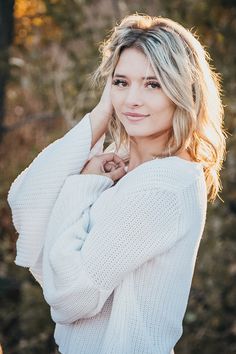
x: 105, y: 105
x: 102, y: 113
x: 109, y: 165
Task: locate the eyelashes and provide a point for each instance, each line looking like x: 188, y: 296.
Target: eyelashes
x: 123, y: 83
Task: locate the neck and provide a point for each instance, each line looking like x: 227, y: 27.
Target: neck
x: 140, y: 151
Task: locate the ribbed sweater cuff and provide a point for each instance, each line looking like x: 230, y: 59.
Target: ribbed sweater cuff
x: 86, y: 188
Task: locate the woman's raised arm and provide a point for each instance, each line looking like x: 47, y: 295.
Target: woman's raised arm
x: 34, y: 192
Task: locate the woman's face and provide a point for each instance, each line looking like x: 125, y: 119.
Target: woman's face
x: 139, y: 101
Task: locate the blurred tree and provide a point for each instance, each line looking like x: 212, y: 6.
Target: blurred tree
x: 6, y: 38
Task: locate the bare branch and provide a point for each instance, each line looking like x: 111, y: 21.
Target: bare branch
x: 30, y: 119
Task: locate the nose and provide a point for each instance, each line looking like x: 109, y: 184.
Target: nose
x: 134, y: 97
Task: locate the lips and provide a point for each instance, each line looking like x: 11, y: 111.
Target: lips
x: 135, y: 116
x: 131, y: 114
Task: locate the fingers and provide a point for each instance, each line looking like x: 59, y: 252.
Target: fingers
x: 109, y: 157
x: 107, y: 89
x: 115, y: 165
x: 109, y: 81
x: 111, y: 165
x: 117, y: 173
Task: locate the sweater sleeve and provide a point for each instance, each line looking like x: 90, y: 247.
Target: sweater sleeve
x: 81, y: 267
x: 34, y: 192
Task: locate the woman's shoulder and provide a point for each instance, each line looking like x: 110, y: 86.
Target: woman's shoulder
x: 171, y: 173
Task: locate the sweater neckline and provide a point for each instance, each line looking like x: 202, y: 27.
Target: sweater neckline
x: 193, y: 163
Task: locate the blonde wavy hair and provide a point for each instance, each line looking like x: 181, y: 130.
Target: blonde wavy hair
x: 182, y: 67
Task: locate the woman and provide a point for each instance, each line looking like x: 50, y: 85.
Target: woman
x: 112, y: 236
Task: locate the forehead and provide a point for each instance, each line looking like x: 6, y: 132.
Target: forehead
x: 133, y: 62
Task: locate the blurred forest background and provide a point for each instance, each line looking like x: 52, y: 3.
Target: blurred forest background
x: 47, y: 50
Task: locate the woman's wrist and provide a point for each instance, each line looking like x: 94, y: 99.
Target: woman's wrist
x: 99, y: 120
x: 102, y: 113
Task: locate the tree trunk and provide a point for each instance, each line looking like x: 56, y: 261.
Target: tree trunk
x: 6, y: 38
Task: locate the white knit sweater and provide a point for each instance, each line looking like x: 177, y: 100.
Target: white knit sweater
x: 115, y: 261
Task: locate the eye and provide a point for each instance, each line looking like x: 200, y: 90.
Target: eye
x: 119, y: 83
x: 153, y: 84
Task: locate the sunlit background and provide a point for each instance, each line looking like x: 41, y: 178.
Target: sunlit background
x: 47, y: 50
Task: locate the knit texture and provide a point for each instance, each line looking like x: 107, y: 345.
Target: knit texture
x: 115, y: 261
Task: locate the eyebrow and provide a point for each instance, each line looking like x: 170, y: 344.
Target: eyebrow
x: 143, y: 78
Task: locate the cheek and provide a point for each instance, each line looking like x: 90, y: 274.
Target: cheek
x: 162, y: 104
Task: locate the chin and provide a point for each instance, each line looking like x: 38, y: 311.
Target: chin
x: 133, y: 129
x: 138, y: 131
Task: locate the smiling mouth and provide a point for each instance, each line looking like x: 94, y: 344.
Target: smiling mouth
x: 135, y: 116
